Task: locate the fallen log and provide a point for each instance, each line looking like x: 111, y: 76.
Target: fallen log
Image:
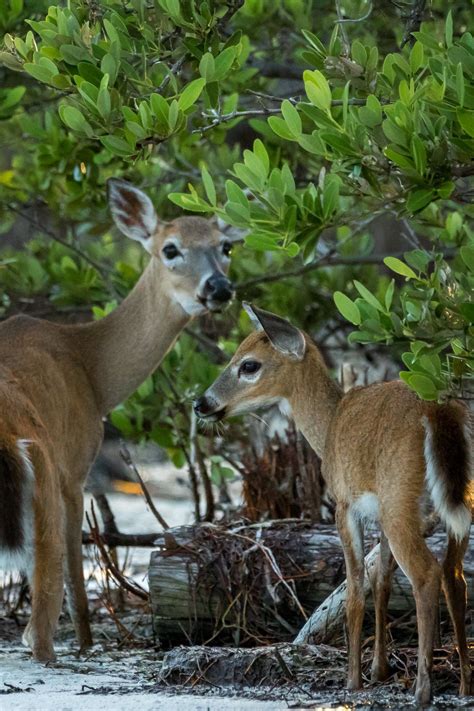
x: 256, y: 584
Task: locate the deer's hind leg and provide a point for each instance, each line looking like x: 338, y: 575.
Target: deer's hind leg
x: 46, y: 574
x: 454, y: 587
x: 383, y: 583
x: 424, y: 573
x: 351, y: 533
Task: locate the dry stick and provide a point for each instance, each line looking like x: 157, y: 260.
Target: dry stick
x: 125, y: 454
x: 108, y: 518
x: 115, y: 572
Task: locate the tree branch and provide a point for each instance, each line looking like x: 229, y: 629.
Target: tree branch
x: 415, y: 18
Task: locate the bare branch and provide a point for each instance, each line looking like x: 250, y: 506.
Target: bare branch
x: 414, y: 21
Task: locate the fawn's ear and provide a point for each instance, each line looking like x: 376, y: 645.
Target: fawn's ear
x: 133, y: 211
x: 284, y: 337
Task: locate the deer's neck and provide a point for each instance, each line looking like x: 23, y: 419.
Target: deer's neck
x: 122, y: 349
x: 314, y: 399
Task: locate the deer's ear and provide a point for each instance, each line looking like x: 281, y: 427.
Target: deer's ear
x: 284, y: 337
x: 133, y: 212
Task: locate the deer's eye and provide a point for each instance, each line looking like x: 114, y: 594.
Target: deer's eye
x: 226, y: 249
x: 171, y: 251
x: 249, y: 367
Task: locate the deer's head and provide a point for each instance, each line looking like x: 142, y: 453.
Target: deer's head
x: 260, y: 374
x: 194, y: 253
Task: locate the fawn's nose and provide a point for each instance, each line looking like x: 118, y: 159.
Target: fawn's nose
x: 202, y: 406
x: 218, y: 288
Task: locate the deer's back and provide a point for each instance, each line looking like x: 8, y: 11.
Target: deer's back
x: 375, y: 443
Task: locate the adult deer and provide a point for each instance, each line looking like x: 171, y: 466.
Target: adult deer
x: 386, y: 455
x: 57, y: 382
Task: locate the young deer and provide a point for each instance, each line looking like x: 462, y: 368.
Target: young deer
x: 385, y: 455
x: 57, y: 382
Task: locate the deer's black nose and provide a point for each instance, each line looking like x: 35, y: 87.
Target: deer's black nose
x: 202, y: 406
x: 218, y: 288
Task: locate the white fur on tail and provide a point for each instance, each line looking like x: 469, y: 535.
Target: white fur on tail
x: 456, y: 518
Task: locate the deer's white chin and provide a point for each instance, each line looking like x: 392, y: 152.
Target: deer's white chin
x: 190, y: 305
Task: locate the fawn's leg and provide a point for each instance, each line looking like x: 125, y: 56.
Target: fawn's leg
x: 385, y: 567
x: 352, y: 539
x: 76, y: 592
x: 424, y: 573
x: 454, y: 586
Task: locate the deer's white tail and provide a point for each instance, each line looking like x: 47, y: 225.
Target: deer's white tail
x: 448, y: 467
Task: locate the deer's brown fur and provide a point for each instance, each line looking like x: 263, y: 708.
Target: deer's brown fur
x: 386, y: 455
x: 56, y: 384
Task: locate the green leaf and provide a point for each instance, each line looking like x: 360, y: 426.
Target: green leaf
x: 389, y: 294
x: 419, y: 199
x: 465, y: 118
x: 223, y: 63
x: 38, y: 72
x: 116, y: 145
x: 359, y: 53
x: 317, y: 89
x: 368, y: 296
x: 236, y: 194
x: 460, y: 84
x: 421, y: 384
x: 448, y: 30
x: 207, y: 66
x: 399, y: 267
x: 292, y: 118
x: 418, y: 152
x: 347, y: 308
x: 73, y: 54
x: 103, y: 103
x: 467, y: 256
x: 191, y: 94
x: 261, y: 243
x: 371, y: 114
x: 293, y: 249
x: 208, y: 185
x: 278, y: 126
x: 416, y: 57
x: 74, y: 119
x: 399, y: 159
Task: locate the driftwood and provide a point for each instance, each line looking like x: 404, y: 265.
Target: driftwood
x: 256, y: 584
x: 306, y: 676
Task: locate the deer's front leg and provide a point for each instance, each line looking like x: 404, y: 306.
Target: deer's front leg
x: 76, y: 592
x: 352, y: 539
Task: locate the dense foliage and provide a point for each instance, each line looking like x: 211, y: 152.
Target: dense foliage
x: 308, y: 134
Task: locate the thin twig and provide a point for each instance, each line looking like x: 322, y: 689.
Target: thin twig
x: 344, y: 36
x: 127, y: 458
x: 114, y: 571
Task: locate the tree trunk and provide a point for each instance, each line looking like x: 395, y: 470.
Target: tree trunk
x: 257, y: 584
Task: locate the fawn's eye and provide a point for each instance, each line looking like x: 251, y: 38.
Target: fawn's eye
x: 226, y: 249
x: 249, y: 367
x: 171, y: 251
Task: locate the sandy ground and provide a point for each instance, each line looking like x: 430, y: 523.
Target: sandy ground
x: 109, y: 679
x: 118, y: 678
